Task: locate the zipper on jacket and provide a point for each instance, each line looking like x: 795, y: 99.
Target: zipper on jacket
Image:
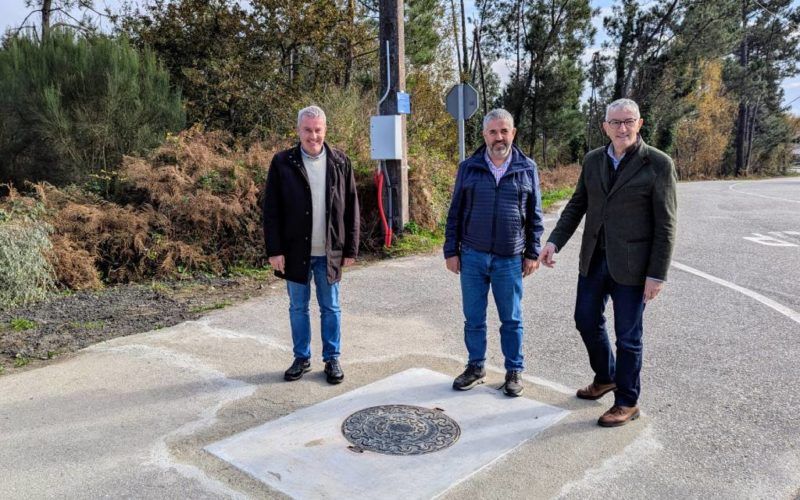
x: 468, y: 209
x: 494, y: 214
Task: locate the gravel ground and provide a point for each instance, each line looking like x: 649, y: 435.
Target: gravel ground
x: 33, y: 335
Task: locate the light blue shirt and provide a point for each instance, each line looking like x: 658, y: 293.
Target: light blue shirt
x: 614, y: 160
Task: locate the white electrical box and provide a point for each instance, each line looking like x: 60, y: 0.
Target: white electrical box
x: 386, y: 141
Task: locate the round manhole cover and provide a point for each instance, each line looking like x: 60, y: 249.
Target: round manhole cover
x: 400, y: 430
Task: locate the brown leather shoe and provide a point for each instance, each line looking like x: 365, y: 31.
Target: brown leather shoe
x: 595, y: 391
x: 618, y: 415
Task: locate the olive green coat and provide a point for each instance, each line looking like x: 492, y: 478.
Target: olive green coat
x: 638, y: 215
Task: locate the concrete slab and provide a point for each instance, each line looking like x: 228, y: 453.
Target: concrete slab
x: 305, y: 455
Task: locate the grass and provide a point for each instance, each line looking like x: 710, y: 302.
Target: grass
x: 257, y: 273
x: 22, y: 324
x: 211, y: 307
x: 159, y: 287
x: 552, y: 196
x: 416, y: 240
x: 21, y: 361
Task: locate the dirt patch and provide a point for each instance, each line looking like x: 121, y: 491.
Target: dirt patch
x: 33, y: 335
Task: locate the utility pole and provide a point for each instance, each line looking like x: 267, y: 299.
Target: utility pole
x: 391, y: 30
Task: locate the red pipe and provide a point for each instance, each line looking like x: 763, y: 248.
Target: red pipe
x: 387, y: 230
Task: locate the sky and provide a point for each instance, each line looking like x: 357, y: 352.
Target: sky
x: 12, y: 12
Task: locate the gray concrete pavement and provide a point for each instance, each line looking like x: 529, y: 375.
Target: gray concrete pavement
x: 130, y: 417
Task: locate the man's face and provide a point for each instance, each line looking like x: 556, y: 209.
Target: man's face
x: 499, y: 135
x: 312, y: 134
x: 622, y: 127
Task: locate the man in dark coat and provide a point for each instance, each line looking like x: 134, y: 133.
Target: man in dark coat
x: 311, y: 228
x: 627, y: 192
x: 492, y: 240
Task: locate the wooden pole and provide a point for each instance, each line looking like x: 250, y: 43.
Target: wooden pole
x: 391, y: 29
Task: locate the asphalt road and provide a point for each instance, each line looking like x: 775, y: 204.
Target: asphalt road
x: 721, y: 378
x: 720, y: 385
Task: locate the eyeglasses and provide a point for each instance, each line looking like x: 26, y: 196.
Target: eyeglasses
x: 630, y: 122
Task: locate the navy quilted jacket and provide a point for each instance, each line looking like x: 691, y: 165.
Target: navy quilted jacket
x: 505, y: 218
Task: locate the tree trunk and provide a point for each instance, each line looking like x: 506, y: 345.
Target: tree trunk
x: 534, y: 105
x: 350, y: 54
x: 47, y: 6
x: 742, y: 119
x: 480, y: 67
x: 544, y: 148
x: 464, y: 38
x: 455, y: 35
x: 519, y: 28
x: 751, y: 129
x: 622, y: 56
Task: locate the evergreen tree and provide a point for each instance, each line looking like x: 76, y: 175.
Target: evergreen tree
x: 547, y: 39
x: 70, y: 108
x: 422, y: 30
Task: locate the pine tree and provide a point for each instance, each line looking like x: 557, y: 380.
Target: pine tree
x: 70, y: 108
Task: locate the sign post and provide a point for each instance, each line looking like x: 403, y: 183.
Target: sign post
x: 461, y: 102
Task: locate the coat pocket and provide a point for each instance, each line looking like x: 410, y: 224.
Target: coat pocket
x: 638, y: 257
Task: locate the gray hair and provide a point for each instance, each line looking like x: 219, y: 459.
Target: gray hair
x: 623, y: 104
x: 498, y: 114
x: 311, y: 112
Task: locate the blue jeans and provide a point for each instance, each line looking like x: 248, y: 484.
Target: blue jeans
x: 594, y: 289
x: 330, y: 314
x: 479, y: 271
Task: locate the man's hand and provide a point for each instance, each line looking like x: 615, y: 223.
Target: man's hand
x: 651, y: 289
x: 546, y: 257
x: 348, y: 261
x: 453, y: 264
x: 529, y: 266
x: 277, y: 262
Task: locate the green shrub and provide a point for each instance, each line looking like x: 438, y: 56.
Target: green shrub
x: 70, y: 108
x: 25, y: 273
x: 22, y: 324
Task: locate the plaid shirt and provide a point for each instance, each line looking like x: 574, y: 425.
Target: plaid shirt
x: 497, y: 171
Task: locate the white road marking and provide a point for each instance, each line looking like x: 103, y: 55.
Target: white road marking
x: 231, y: 390
x: 786, y: 311
x: 760, y: 195
x: 770, y: 241
x: 633, y: 454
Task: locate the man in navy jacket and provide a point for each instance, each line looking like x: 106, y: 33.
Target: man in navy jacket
x: 492, y: 239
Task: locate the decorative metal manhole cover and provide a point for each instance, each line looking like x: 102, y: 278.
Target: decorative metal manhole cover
x: 400, y: 430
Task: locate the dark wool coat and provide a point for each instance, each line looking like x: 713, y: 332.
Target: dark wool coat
x: 287, y: 213
x: 638, y: 215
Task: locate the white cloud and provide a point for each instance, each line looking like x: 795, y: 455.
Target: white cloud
x: 503, y: 69
x: 791, y: 84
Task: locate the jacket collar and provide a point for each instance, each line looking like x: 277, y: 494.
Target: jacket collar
x: 332, y: 159
x: 635, y: 158
x: 518, y: 160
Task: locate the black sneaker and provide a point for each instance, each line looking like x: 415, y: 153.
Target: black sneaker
x: 513, y: 386
x: 471, y: 377
x: 333, y: 371
x: 298, y: 368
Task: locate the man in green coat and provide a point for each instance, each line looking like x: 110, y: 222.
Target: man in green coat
x: 627, y: 192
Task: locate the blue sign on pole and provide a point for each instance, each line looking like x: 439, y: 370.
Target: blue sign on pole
x: 403, y: 103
